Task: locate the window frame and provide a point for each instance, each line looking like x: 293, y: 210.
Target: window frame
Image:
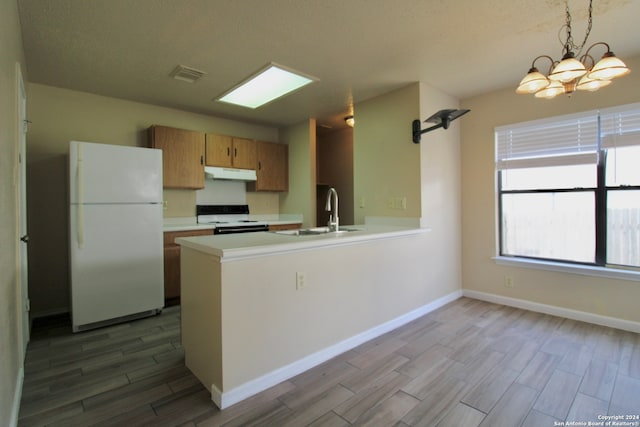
x: 501, y: 192
x: 599, y: 267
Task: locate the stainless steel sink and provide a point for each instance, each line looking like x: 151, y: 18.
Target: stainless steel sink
x: 315, y: 231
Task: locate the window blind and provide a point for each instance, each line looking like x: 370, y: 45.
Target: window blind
x: 564, y: 140
x: 620, y: 126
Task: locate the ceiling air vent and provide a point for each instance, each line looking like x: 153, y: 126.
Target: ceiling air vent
x: 186, y: 74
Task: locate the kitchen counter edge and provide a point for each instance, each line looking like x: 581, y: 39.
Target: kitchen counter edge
x: 251, y: 245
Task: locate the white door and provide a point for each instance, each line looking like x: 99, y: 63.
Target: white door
x: 22, y: 182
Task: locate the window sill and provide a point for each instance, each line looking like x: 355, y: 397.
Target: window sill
x: 586, y: 270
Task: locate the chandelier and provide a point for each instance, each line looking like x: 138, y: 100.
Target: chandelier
x: 570, y: 74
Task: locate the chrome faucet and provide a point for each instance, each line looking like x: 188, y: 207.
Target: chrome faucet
x: 334, y: 222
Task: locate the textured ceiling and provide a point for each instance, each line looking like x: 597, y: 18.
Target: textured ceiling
x: 357, y: 48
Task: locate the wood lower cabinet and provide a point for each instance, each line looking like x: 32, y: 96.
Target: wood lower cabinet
x: 280, y: 227
x: 172, y: 263
x: 182, y: 156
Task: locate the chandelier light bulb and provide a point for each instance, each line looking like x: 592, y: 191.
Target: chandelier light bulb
x: 532, y: 82
x: 554, y: 89
x: 591, y: 85
x: 609, y: 67
x: 568, y: 69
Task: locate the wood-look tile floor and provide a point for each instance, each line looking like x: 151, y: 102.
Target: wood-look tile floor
x: 469, y: 363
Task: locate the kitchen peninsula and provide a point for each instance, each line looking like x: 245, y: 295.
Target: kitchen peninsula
x: 259, y: 308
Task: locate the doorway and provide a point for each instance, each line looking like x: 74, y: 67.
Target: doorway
x: 23, y: 294
x: 334, y: 168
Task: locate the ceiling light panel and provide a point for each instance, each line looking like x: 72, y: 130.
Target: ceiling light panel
x: 268, y: 84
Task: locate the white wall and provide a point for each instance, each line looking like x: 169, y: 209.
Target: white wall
x: 11, y: 54
x: 369, y: 284
x: 301, y: 197
x: 386, y: 163
x: 440, y: 170
x: 601, y: 296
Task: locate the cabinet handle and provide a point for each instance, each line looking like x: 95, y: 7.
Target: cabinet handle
x: 235, y: 152
x: 259, y: 166
x: 228, y: 151
x: 202, y: 160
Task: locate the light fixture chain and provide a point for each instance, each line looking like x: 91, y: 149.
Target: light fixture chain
x: 569, y: 45
x: 586, y: 34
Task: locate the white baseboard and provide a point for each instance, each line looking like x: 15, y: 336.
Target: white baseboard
x: 224, y: 399
x: 17, y: 396
x: 583, y: 316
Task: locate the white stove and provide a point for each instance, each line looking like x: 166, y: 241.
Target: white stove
x: 229, y: 219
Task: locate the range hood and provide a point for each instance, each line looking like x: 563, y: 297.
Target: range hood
x: 211, y: 172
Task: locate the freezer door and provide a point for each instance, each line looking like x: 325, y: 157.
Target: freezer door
x: 117, y: 268
x: 104, y: 173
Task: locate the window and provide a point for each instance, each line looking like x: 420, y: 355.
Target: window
x: 569, y: 188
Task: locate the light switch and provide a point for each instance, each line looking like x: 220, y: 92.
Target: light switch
x: 300, y: 281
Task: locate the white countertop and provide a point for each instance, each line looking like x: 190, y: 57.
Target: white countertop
x: 249, y: 245
x: 187, y: 226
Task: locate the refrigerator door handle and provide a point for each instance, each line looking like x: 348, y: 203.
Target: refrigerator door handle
x: 79, y: 193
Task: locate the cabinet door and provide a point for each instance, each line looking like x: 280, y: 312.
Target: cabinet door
x: 244, y: 153
x: 279, y: 227
x: 172, y: 263
x: 230, y: 152
x: 273, y: 167
x: 182, y: 156
x: 171, y: 272
x: 218, y: 150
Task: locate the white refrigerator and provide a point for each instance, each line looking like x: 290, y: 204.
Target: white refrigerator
x: 115, y: 233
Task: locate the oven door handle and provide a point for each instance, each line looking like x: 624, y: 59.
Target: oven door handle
x: 240, y: 229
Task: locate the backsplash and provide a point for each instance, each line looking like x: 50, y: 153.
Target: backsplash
x: 179, y: 203
x: 218, y: 192
x: 182, y: 203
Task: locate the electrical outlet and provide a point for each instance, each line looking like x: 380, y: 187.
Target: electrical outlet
x: 362, y: 202
x: 165, y: 205
x: 301, y: 281
x: 508, y: 282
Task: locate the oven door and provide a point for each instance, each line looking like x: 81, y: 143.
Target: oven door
x: 233, y: 229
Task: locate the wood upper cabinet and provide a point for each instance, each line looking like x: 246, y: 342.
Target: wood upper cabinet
x: 218, y: 150
x: 182, y: 156
x: 273, y: 166
x: 230, y: 152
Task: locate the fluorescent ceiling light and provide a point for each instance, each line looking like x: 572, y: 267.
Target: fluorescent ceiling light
x: 268, y: 84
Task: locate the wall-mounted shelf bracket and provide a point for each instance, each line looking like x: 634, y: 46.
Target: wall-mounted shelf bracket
x: 442, y: 119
